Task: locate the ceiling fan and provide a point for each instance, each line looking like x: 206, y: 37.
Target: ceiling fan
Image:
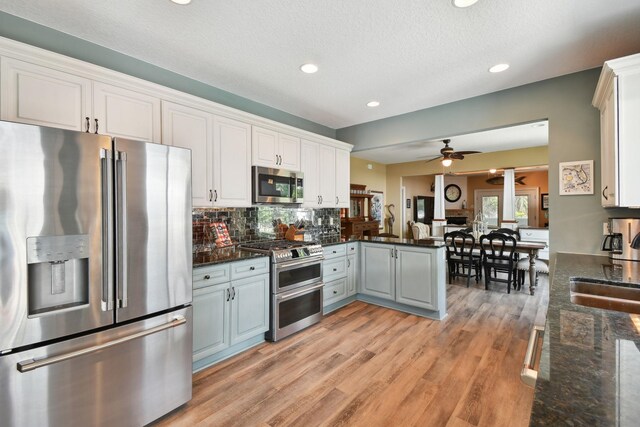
x: 448, y: 154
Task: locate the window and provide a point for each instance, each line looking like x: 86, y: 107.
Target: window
x: 489, y: 202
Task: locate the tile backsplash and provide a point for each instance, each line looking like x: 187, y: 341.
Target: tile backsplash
x: 259, y: 223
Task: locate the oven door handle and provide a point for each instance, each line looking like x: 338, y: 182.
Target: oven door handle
x: 286, y: 265
x: 282, y: 297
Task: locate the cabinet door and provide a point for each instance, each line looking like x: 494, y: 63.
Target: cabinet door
x: 309, y: 152
x: 628, y: 121
x: 249, y: 307
x: 327, y: 170
x: 415, y: 278
x: 210, y: 320
x: 41, y: 96
x: 126, y: 113
x: 343, y: 168
x: 608, y: 150
x: 378, y: 270
x: 264, y: 147
x: 289, y: 151
x: 231, y: 163
x: 191, y: 128
x: 352, y: 275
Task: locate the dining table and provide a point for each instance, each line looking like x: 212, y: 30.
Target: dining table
x: 529, y: 248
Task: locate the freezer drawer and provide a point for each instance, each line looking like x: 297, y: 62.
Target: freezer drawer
x: 125, y: 376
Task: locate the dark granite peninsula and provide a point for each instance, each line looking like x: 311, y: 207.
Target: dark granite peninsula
x: 590, y: 364
x: 220, y: 255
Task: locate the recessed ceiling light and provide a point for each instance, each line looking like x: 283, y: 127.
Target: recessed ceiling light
x: 373, y: 104
x: 181, y: 1
x: 498, y: 68
x: 309, y: 68
x: 464, y: 3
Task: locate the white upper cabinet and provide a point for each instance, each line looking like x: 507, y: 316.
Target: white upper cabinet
x: 309, y: 165
x: 275, y: 150
x: 220, y: 154
x: 191, y: 128
x: 231, y: 163
x: 343, y: 178
x: 326, y: 175
x: 125, y: 113
x: 618, y: 99
x: 41, y: 96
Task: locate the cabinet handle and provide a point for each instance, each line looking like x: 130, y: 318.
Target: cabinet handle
x: 335, y: 269
x: 337, y: 200
x: 280, y: 157
x: 318, y: 199
x: 396, y: 251
x: 207, y: 277
x: 348, y: 263
x: 87, y: 124
x: 335, y: 292
x: 228, y: 294
x: 210, y: 195
x: 276, y: 159
x: 321, y: 199
x: 603, y: 192
x: 96, y: 132
x: 233, y: 296
x: 252, y: 268
x: 215, y: 195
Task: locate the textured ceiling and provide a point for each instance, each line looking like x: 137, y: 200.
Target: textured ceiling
x: 409, y: 54
x: 508, y: 138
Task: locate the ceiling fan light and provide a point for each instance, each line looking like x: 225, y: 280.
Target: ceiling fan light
x: 446, y: 162
x: 464, y: 3
x: 492, y: 170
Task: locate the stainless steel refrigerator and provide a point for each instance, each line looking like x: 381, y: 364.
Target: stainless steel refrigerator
x: 95, y: 278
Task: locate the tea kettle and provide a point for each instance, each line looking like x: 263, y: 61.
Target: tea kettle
x: 612, y: 243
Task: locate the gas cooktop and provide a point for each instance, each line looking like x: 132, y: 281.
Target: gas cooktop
x: 285, y: 250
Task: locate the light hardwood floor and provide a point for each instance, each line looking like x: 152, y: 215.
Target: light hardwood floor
x: 365, y: 365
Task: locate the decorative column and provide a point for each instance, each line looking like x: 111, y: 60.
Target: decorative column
x: 509, y: 200
x: 439, y: 217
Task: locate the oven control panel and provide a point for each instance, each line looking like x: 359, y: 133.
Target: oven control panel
x: 292, y: 254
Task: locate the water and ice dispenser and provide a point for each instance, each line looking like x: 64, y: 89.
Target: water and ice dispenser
x: 58, y: 273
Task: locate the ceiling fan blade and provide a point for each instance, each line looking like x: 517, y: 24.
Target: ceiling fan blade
x: 464, y: 153
x: 457, y: 155
x: 434, y: 159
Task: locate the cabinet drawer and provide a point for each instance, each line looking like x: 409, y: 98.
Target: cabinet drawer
x: 252, y: 267
x: 352, y: 248
x: 334, y: 291
x: 534, y: 235
x: 334, y: 251
x: 334, y: 269
x: 210, y: 275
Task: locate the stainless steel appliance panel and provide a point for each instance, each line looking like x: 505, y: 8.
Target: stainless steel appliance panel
x: 52, y: 183
x: 628, y: 228
x: 153, y: 227
x: 294, y: 311
x: 277, y: 186
x: 126, y: 376
x: 295, y: 274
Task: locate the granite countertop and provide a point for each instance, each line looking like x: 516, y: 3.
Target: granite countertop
x: 220, y: 255
x: 589, y: 372
x: 425, y: 243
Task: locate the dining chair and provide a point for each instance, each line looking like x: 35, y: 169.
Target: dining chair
x: 460, y: 255
x: 497, y: 253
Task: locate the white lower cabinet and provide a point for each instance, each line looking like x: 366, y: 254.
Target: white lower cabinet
x: 407, y: 275
x: 338, y: 273
x: 229, y: 313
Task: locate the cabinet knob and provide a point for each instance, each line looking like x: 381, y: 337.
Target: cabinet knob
x: 335, y: 292
x: 335, y: 269
x: 252, y: 268
x: 207, y: 277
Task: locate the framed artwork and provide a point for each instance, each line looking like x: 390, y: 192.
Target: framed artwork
x: 576, y: 178
x: 544, y: 201
x: 377, y: 207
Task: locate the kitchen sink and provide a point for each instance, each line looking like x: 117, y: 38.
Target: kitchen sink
x: 604, y: 294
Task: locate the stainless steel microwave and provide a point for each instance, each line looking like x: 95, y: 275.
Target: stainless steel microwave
x: 277, y: 186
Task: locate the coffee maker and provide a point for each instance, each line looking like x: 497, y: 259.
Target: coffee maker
x: 623, y: 240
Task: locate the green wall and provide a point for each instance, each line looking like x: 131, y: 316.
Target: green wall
x: 37, y: 35
x: 574, y: 134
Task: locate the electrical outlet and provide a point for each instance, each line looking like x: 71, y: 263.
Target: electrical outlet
x: 331, y: 220
x: 605, y: 228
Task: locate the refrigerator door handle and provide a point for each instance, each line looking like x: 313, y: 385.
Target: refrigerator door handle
x: 30, y: 365
x: 121, y: 221
x: 106, y: 176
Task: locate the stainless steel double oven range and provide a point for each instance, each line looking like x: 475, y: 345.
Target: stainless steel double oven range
x: 296, y: 285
